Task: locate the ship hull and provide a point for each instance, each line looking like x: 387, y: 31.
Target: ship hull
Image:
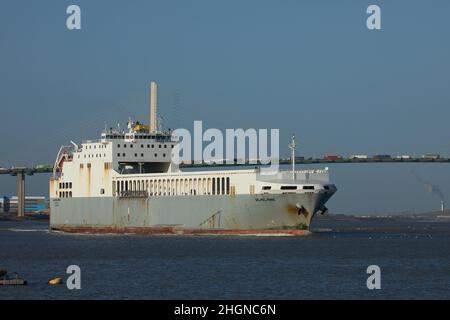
x: 264, y: 214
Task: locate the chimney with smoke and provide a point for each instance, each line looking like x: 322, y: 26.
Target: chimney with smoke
x: 431, y: 188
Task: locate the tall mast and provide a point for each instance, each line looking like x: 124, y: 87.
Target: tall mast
x: 292, y: 146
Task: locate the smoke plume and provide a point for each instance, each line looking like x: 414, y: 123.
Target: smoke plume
x: 429, y: 187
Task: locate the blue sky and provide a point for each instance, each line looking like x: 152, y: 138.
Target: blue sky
x: 306, y: 67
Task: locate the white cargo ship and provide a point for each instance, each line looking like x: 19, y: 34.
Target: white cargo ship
x: 126, y: 182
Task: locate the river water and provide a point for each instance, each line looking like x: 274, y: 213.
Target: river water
x: 413, y: 255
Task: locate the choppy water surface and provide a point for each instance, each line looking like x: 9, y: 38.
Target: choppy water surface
x: 414, y: 257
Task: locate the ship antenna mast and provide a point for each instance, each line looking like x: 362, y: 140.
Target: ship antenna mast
x: 160, y: 123
x: 292, y: 146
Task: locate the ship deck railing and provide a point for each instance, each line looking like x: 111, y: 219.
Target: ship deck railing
x: 301, y: 176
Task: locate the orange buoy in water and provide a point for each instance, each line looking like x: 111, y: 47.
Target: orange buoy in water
x: 55, y: 281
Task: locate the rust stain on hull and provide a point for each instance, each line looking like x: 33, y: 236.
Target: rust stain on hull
x: 181, y: 231
x: 292, y: 208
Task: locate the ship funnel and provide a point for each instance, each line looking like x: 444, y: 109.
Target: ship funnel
x: 153, y: 106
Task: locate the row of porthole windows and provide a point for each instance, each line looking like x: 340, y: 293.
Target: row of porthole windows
x: 65, y: 185
x: 142, y: 146
x: 175, y: 187
x: 98, y: 155
x: 142, y: 155
x: 100, y: 146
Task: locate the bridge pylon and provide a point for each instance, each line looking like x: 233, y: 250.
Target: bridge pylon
x: 21, y: 194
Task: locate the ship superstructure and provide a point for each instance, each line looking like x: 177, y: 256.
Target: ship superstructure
x: 126, y: 182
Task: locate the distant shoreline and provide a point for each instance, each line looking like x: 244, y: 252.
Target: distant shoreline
x: 420, y: 215
x: 12, y: 216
